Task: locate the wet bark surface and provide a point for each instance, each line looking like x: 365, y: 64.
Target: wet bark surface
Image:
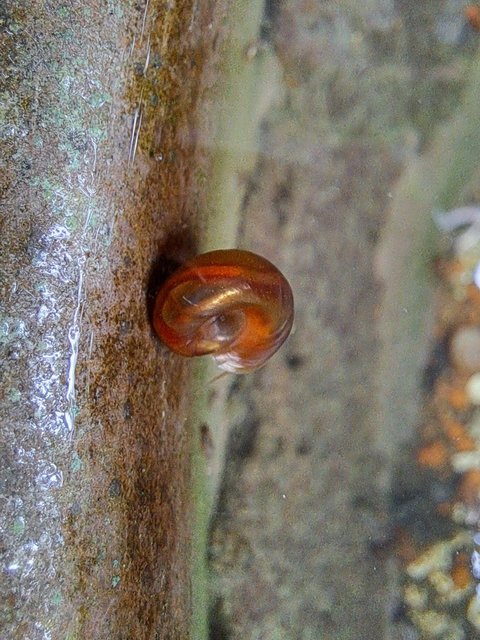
x: 101, y: 177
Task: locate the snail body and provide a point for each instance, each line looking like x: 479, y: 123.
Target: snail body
x: 229, y: 303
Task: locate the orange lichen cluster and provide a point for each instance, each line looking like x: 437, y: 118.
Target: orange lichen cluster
x: 448, y: 270
x: 457, y: 434
x: 454, y: 394
x: 445, y: 434
x: 473, y: 296
x: 449, y: 407
x: 449, y: 443
x: 433, y: 455
x: 472, y: 15
x: 460, y: 298
x: 439, y: 544
x: 468, y: 491
x: 460, y: 572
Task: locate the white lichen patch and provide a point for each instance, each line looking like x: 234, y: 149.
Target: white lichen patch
x: 415, y: 596
x: 437, y: 557
x: 473, y: 389
x: 473, y: 612
x: 465, y: 461
x: 464, y: 222
x: 433, y: 624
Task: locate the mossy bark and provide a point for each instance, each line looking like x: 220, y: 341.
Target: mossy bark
x: 104, y: 172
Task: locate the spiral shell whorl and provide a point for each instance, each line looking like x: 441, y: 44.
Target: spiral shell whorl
x: 231, y: 304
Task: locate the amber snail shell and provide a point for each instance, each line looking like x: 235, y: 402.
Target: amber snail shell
x: 231, y: 304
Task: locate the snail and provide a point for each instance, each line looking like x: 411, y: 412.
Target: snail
x: 231, y: 304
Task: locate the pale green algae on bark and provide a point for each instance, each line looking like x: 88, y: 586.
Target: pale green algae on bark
x: 102, y: 171
x: 248, y: 84
x: 50, y: 139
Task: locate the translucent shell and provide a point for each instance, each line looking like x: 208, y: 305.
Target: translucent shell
x: 231, y: 304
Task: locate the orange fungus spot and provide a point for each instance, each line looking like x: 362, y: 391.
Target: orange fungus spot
x: 433, y: 455
x: 472, y: 14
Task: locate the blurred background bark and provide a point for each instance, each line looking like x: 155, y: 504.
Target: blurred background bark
x: 341, y: 199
